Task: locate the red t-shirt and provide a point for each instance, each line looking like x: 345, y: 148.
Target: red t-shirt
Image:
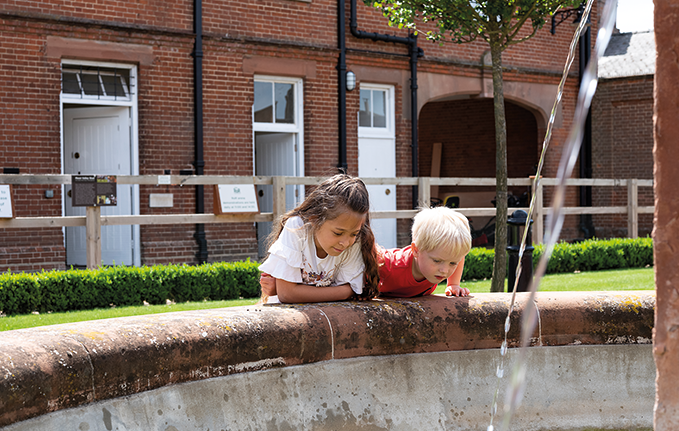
x: 396, y: 275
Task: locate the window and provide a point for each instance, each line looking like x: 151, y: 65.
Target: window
x: 376, y: 111
x: 372, y: 111
x: 96, y: 82
x: 274, y: 102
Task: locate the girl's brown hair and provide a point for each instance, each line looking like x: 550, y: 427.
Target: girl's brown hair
x: 328, y: 200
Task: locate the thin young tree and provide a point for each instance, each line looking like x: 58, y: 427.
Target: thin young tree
x: 499, y: 23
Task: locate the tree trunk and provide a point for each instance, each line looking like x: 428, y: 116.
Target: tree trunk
x: 500, y: 264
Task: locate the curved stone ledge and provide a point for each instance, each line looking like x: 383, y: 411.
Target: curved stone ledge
x: 57, y: 367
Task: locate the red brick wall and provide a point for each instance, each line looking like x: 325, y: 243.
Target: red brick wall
x: 622, y: 148
x: 234, y: 30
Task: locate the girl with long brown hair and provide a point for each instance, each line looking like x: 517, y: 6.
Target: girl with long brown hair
x: 323, y: 250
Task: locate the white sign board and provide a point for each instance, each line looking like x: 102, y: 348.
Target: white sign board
x: 6, y: 210
x: 235, y: 198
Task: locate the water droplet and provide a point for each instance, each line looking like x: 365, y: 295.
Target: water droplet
x: 507, y: 325
x: 490, y: 428
x: 500, y: 372
x: 503, y: 349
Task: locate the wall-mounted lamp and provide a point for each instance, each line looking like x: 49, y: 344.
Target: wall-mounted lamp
x: 351, y: 80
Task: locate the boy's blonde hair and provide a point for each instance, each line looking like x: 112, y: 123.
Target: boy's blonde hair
x: 442, y: 226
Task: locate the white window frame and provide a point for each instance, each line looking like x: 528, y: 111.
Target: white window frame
x: 379, y: 132
x: 130, y: 100
x: 296, y: 125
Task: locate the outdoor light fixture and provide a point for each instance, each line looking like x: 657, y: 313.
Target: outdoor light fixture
x: 351, y: 80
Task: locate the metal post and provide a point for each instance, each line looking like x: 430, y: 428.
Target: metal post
x: 514, y: 223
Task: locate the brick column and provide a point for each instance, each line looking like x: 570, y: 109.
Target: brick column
x: 666, y: 231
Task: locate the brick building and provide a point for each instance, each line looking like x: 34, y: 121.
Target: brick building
x: 622, y: 120
x: 112, y: 87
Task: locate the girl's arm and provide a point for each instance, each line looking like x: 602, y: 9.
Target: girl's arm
x: 453, y: 285
x: 293, y: 293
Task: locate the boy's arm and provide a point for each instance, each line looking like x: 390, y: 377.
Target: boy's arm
x: 294, y: 293
x: 453, y: 284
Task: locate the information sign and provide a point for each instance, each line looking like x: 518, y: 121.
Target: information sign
x: 235, y: 198
x: 6, y: 205
x: 94, y: 190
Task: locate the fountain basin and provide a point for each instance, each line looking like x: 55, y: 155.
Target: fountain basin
x: 425, y: 363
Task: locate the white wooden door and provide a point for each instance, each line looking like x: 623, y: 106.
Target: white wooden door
x: 377, y: 154
x: 97, y: 142
x: 275, y: 154
x: 377, y: 159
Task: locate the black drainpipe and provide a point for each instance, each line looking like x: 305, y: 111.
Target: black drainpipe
x: 414, y: 53
x: 198, y: 122
x: 586, y: 223
x: 342, y: 88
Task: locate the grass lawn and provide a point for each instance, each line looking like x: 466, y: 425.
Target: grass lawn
x: 619, y: 279
x: 625, y: 279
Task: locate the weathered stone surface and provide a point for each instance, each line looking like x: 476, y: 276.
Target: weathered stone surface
x: 52, y: 368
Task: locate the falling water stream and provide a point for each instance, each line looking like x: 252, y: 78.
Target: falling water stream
x: 555, y: 219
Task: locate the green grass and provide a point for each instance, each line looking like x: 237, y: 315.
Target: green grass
x: 32, y: 320
x: 622, y: 279
x: 619, y: 279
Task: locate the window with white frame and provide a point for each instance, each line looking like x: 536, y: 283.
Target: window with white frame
x: 90, y: 81
x: 275, y: 101
x: 375, y: 114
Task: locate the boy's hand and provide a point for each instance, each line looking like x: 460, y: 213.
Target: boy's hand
x: 268, y: 284
x: 453, y: 290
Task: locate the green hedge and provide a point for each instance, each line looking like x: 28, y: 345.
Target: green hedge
x: 120, y: 285
x: 590, y: 255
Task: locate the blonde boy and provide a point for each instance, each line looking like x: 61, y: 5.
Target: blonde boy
x: 440, y: 240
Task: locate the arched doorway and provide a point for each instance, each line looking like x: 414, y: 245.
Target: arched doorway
x: 457, y: 139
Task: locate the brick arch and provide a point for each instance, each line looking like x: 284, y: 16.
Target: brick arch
x: 465, y: 128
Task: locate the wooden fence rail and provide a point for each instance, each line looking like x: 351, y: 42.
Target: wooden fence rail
x: 93, y: 220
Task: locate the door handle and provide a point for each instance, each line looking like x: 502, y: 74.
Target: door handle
x: 387, y: 192
x: 69, y: 193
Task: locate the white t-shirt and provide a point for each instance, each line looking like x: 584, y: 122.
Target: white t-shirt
x: 293, y: 258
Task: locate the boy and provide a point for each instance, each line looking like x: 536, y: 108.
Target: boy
x: 441, y: 239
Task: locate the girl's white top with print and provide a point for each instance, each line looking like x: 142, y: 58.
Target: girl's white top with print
x: 293, y: 258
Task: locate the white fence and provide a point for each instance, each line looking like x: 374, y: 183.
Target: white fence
x: 93, y: 220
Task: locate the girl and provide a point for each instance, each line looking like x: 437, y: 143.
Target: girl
x: 323, y: 249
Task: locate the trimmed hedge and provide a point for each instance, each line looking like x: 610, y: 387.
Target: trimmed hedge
x: 120, y: 285
x: 589, y: 255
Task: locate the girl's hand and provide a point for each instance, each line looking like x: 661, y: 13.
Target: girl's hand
x: 268, y: 284
x: 454, y: 290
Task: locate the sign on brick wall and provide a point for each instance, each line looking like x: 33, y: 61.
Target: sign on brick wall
x: 6, y: 205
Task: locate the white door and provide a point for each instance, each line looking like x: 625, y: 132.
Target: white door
x: 377, y: 155
x: 377, y: 159
x: 275, y: 154
x: 97, y: 142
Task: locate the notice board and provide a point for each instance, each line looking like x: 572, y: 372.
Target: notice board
x: 235, y: 198
x: 6, y: 204
x: 94, y: 190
